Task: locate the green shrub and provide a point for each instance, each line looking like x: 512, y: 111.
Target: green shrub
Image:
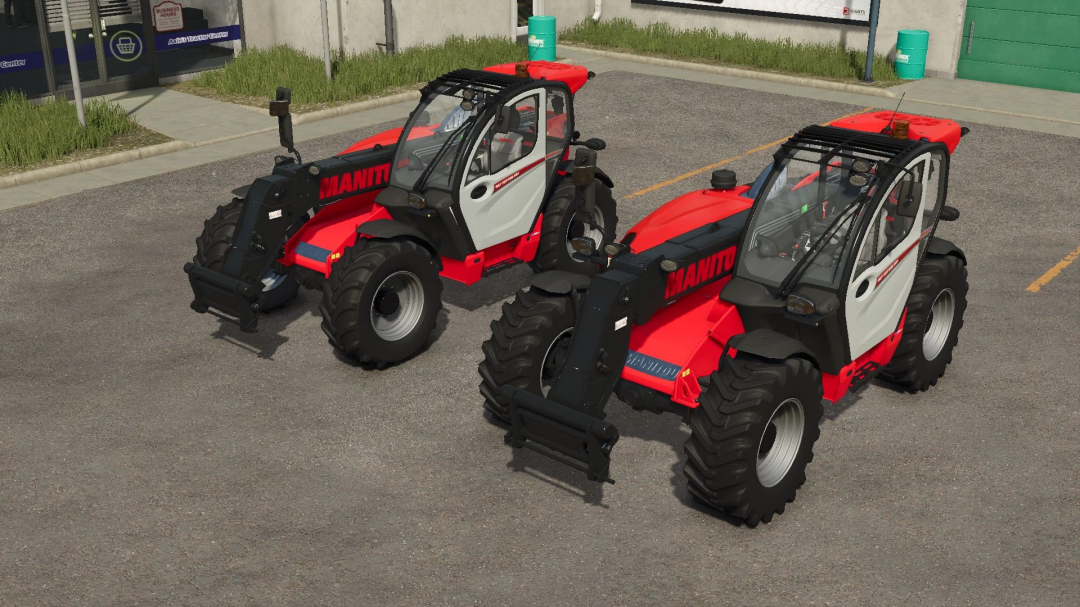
x: 32, y: 133
x: 258, y: 73
x: 823, y: 60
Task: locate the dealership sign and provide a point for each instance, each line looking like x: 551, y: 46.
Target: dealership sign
x: 168, y: 16
x: 855, y: 12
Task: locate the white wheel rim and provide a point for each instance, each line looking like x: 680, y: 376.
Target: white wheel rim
x: 592, y: 228
x: 396, y: 325
x: 779, y: 442
x: 938, y: 324
x: 547, y: 368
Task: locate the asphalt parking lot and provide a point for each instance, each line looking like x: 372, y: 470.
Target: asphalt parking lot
x: 149, y: 454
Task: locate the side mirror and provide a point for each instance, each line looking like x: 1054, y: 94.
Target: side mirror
x: 423, y: 119
x: 280, y: 108
x: 595, y: 144
x: 910, y: 198
x: 502, y: 120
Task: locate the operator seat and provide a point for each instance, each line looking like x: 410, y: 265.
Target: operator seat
x: 506, y: 147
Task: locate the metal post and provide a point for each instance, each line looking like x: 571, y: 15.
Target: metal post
x: 388, y: 15
x: 326, y: 38
x: 868, y: 75
x: 513, y: 19
x: 74, y: 65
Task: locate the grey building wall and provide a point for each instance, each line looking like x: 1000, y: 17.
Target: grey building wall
x: 944, y: 19
x: 357, y: 25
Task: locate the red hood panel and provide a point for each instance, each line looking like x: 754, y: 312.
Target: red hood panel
x: 685, y: 213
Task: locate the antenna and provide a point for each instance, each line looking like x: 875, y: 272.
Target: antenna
x: 888, y: 127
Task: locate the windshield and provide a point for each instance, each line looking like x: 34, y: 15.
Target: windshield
x: 808, y: 202
x: 432, y: 137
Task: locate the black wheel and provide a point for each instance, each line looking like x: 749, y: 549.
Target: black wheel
x: 527, y: 348
x: 381, y: 301
x: 753, y: 435
x: 217, y: 237
x: 564, y: 220
x: 935, y: 314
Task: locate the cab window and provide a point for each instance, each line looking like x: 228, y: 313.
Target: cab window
x: 888, y: 229
x: 499, y: 150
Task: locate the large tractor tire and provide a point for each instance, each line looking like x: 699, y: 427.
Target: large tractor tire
x: 381, y: 301
x: 753, y: 435
x: 216, y: 239
x: 564, y: 220
x: 527, y: 349
x: 935, y: 314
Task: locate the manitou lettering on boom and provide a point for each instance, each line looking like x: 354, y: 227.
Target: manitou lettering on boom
x: 358, y: 180
x: 698, y: 273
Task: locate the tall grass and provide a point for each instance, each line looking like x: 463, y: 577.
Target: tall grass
x: 708, y: 44
x: 32, y: 133
x: 258, y: 73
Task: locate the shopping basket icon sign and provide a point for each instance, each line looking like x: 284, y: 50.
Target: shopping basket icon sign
x: 125, y: 45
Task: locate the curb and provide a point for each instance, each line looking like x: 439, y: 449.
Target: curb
x: 177, y: 145
x: 741, y: 73
x: 90, y: 164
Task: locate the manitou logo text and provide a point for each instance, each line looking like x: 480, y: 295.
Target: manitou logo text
x: 705, y: 270
x: 357, y: 180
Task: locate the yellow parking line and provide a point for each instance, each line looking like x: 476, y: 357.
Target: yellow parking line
x: 717, y: 165
x: 1053, y: 272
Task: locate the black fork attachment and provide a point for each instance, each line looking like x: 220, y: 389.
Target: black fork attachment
x: 568, y: 424
x: 272, y: 205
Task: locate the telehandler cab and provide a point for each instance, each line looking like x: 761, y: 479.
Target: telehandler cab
x: 741, y: 307
x: 479, y: 179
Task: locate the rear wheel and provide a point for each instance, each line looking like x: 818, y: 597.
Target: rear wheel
x: 935, y: 314
x: 216, y: 240
x: 381, y: 301
x: 527, y: 349
x: 566, y: 219
x: 752, y: 436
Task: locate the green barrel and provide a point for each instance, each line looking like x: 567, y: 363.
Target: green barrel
x: 541, y: 38
x: 911, y: 48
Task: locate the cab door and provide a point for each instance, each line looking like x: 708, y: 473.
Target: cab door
x: 505, y: 181
x: 887, y: 259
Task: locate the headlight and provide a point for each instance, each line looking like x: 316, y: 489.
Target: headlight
x: 797, y: 304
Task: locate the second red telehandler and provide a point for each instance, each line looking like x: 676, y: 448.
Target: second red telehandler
x: 742, y: 308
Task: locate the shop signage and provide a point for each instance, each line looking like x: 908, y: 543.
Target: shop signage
x: 168, y: 16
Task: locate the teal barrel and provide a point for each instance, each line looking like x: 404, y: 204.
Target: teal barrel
x: 541, y: 38
x: 911, y: 48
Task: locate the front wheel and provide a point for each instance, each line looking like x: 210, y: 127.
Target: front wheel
x: 565, y: 219
x: 527, y: 349
x: 753, y: 435
x: 381, y: 301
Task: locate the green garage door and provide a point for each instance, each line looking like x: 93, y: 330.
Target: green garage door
x: 1032, y: 43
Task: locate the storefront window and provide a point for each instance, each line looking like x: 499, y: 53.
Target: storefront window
x: 22, y: 64
x: 195, y: 35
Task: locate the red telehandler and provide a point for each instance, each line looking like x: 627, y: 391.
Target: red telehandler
x: 741, y: 308
x: 478, y: 180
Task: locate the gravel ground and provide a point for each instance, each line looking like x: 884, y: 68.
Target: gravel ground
x: 152, y: 455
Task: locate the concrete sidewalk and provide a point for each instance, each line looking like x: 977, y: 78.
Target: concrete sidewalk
x: 205, y: 121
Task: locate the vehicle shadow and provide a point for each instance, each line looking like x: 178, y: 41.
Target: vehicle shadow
x: 667, y: 429
x: 488, y: 291
x: 265, y: 342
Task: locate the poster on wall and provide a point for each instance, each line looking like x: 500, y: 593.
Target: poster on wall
x: 854, y: 12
